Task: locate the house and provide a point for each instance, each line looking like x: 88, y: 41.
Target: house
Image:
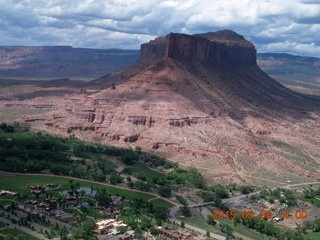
x: 8, y: 193
x: 109, y: 226
x: 166, y: 233
x: 35, y: 190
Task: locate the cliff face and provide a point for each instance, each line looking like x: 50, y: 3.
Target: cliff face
x: 221, y: 49
x: 200, y: 100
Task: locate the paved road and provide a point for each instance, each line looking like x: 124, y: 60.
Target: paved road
x: 300, y: 184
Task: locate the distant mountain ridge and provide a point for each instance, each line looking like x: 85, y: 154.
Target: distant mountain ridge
x: 299, y: 73
x: 62, y: 61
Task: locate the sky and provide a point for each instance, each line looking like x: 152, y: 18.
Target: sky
x: 291, y: 26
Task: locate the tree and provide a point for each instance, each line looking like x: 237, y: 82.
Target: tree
x: 196, y: 178
x: 227, y: 229
x: 87, y: 228
x: 63, y: 233
x: 210, y: 220
x: 121, y: 229
x: 271, y: 199
x: 246, y: 189
x: 153, y: 231
x: 182, y: 200
x: 103, y: 198
x: 161, y: 213
x: 316, y: 225
x: 164, y: 191
x: 115, y: 178
x: 182, y: 224
x: 185, y: 210
x: 220, y: 191
x: 129, y: 157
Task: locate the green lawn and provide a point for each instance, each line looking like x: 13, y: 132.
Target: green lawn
x: 2, y: 224
x: 20, y: 183
x: 160, y: 202
x: 16, y: 233
x: 5, y: 201
x: 90, y: 211
x: 244, y: 230
x: 314, y: 201
x: 141, y: 169
x: 312, y: 236
x: 250, y: 233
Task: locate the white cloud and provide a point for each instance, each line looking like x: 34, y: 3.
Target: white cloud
x: 303, y: 49
x: 273, y: 25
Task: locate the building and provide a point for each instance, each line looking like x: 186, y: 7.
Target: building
x: 8, y: 193
x: 109, y: 226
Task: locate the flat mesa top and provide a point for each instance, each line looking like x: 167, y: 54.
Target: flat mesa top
x: 227, y: 37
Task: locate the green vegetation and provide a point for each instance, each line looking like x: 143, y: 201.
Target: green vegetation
x: 183, y: 176
x: 38, y: 152
x: 29, y: 152
x: 312, y: 196
x: 314, y: 201
x: 182, y: 200
x: 267, y: 228
x: 160, y: 203
x: 138, y: 169
x: 2, y: 224
x: 20, y: 183
x: 246, y: 189
x: 285, y: 196
x: 5, y: 201
x: 16, y: 234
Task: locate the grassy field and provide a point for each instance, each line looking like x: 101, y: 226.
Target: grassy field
x: 16, y: 234
x: 5, y: 201
x: 161, y: 202
x: 245, y: 231
x: 140, y: 169
x: 314, y: 201
x: 312, y: 236
x: 2, y: 224
x: 250, y: 233
x: 20, y: 183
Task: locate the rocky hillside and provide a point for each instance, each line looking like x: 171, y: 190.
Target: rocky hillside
x: 200, y: 100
